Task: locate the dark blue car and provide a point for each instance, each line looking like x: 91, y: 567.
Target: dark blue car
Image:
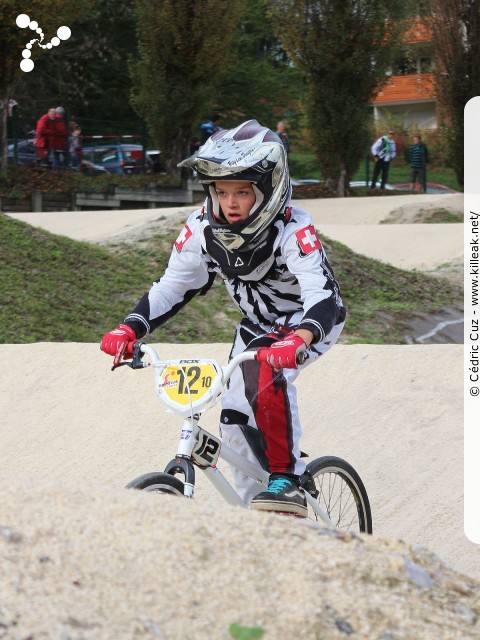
x: 115, y: 158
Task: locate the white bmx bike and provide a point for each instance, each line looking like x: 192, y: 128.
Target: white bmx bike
x: 335, y: 494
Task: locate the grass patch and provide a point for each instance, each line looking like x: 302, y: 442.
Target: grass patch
x: 60, y: 290
x: 239, y: 632
x: 440, y: 215
x: 381, y: 299
x: 399, y: 174
x: 305, y: 165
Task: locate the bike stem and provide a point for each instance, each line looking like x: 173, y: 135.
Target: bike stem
x: 188, y: 437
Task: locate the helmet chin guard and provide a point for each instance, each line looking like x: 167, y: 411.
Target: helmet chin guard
x: 252, y: 153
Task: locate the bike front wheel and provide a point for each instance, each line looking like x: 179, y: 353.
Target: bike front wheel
x: 158, y: 482
x: 340, y: 492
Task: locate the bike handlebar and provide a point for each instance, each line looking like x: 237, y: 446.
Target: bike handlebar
x: 140, y: 348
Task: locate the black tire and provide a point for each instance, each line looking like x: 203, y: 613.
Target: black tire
x: 159, y: 482
x: 341, y: 493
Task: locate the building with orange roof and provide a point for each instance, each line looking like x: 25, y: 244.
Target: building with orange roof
x: 409, y: 92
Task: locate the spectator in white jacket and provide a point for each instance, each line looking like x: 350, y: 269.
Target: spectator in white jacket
x: 383, y: 151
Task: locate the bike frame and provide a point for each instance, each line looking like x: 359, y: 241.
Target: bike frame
x: 213, y: 448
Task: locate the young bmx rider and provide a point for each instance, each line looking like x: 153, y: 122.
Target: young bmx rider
x: 277, y: 273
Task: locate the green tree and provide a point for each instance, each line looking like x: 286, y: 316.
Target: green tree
x: 50, y: 15
x: 183, y: 46
x: 344, y: 48
x: 88, y: 77
x: 456, y: 35
x: 260, y: 82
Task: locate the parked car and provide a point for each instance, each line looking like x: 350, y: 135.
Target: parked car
x: 115, y: 158
x: 432, y: 187
x: 366, y: 185
x: 91, y: 169
x: 26, y: 153
x: 297, y: 182
x: 154, y: 161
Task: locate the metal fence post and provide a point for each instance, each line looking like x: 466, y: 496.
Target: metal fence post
x: 144, y: 148
x: 15, y: 133
x: 36, y: 201
x: 424, y: 172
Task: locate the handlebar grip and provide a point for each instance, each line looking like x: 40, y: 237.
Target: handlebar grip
x: 262, y: 352
x: 301, y: 357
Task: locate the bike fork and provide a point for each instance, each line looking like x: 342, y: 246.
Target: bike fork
x: 185, y: 467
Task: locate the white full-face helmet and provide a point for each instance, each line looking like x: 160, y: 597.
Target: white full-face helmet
x: 249, y: 152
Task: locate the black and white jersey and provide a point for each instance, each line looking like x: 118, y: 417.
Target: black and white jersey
x: 293, y: 287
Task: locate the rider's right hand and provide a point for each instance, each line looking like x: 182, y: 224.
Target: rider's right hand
x: 119, y: 343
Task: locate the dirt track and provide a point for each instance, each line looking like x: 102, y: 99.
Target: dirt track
x: 83, y: 559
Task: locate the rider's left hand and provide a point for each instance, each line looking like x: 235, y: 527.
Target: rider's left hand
x: 283, y: 354
x: 119, y: 343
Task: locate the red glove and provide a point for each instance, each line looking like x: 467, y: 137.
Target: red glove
x: 283, y: 354
x: 119, y: 343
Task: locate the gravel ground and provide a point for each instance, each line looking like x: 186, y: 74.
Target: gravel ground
x: 91, y: 563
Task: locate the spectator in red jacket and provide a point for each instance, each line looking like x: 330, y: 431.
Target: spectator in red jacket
x: 60, y: 140
x: 51, y: 138
x: 44, y: 135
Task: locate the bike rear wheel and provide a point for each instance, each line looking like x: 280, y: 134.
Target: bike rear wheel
x: 341, y: 494
x: 158, y: 482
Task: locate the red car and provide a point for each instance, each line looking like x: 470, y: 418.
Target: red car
x: 432, y: 187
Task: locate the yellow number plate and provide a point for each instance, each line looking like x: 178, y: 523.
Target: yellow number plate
x: 187, y: 384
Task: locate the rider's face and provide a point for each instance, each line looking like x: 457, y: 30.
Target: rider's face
x: 236, y: 199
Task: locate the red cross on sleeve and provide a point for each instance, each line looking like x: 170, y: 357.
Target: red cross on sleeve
x: 307, y: 240
x: 185, y: 234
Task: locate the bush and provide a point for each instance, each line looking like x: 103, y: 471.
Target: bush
x: 304, y: 165
x: 19, y: 182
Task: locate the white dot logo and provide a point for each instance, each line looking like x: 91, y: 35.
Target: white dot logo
x: 26, y: 65
x: 23, y: 22
x: 64, y: 33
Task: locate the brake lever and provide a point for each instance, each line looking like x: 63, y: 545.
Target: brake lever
x: 122, y: 364
x: 136, y: 361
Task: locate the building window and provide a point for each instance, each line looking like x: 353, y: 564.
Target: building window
x: 425, y: 64
x: 404, y: 67
x: 415, y: 59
